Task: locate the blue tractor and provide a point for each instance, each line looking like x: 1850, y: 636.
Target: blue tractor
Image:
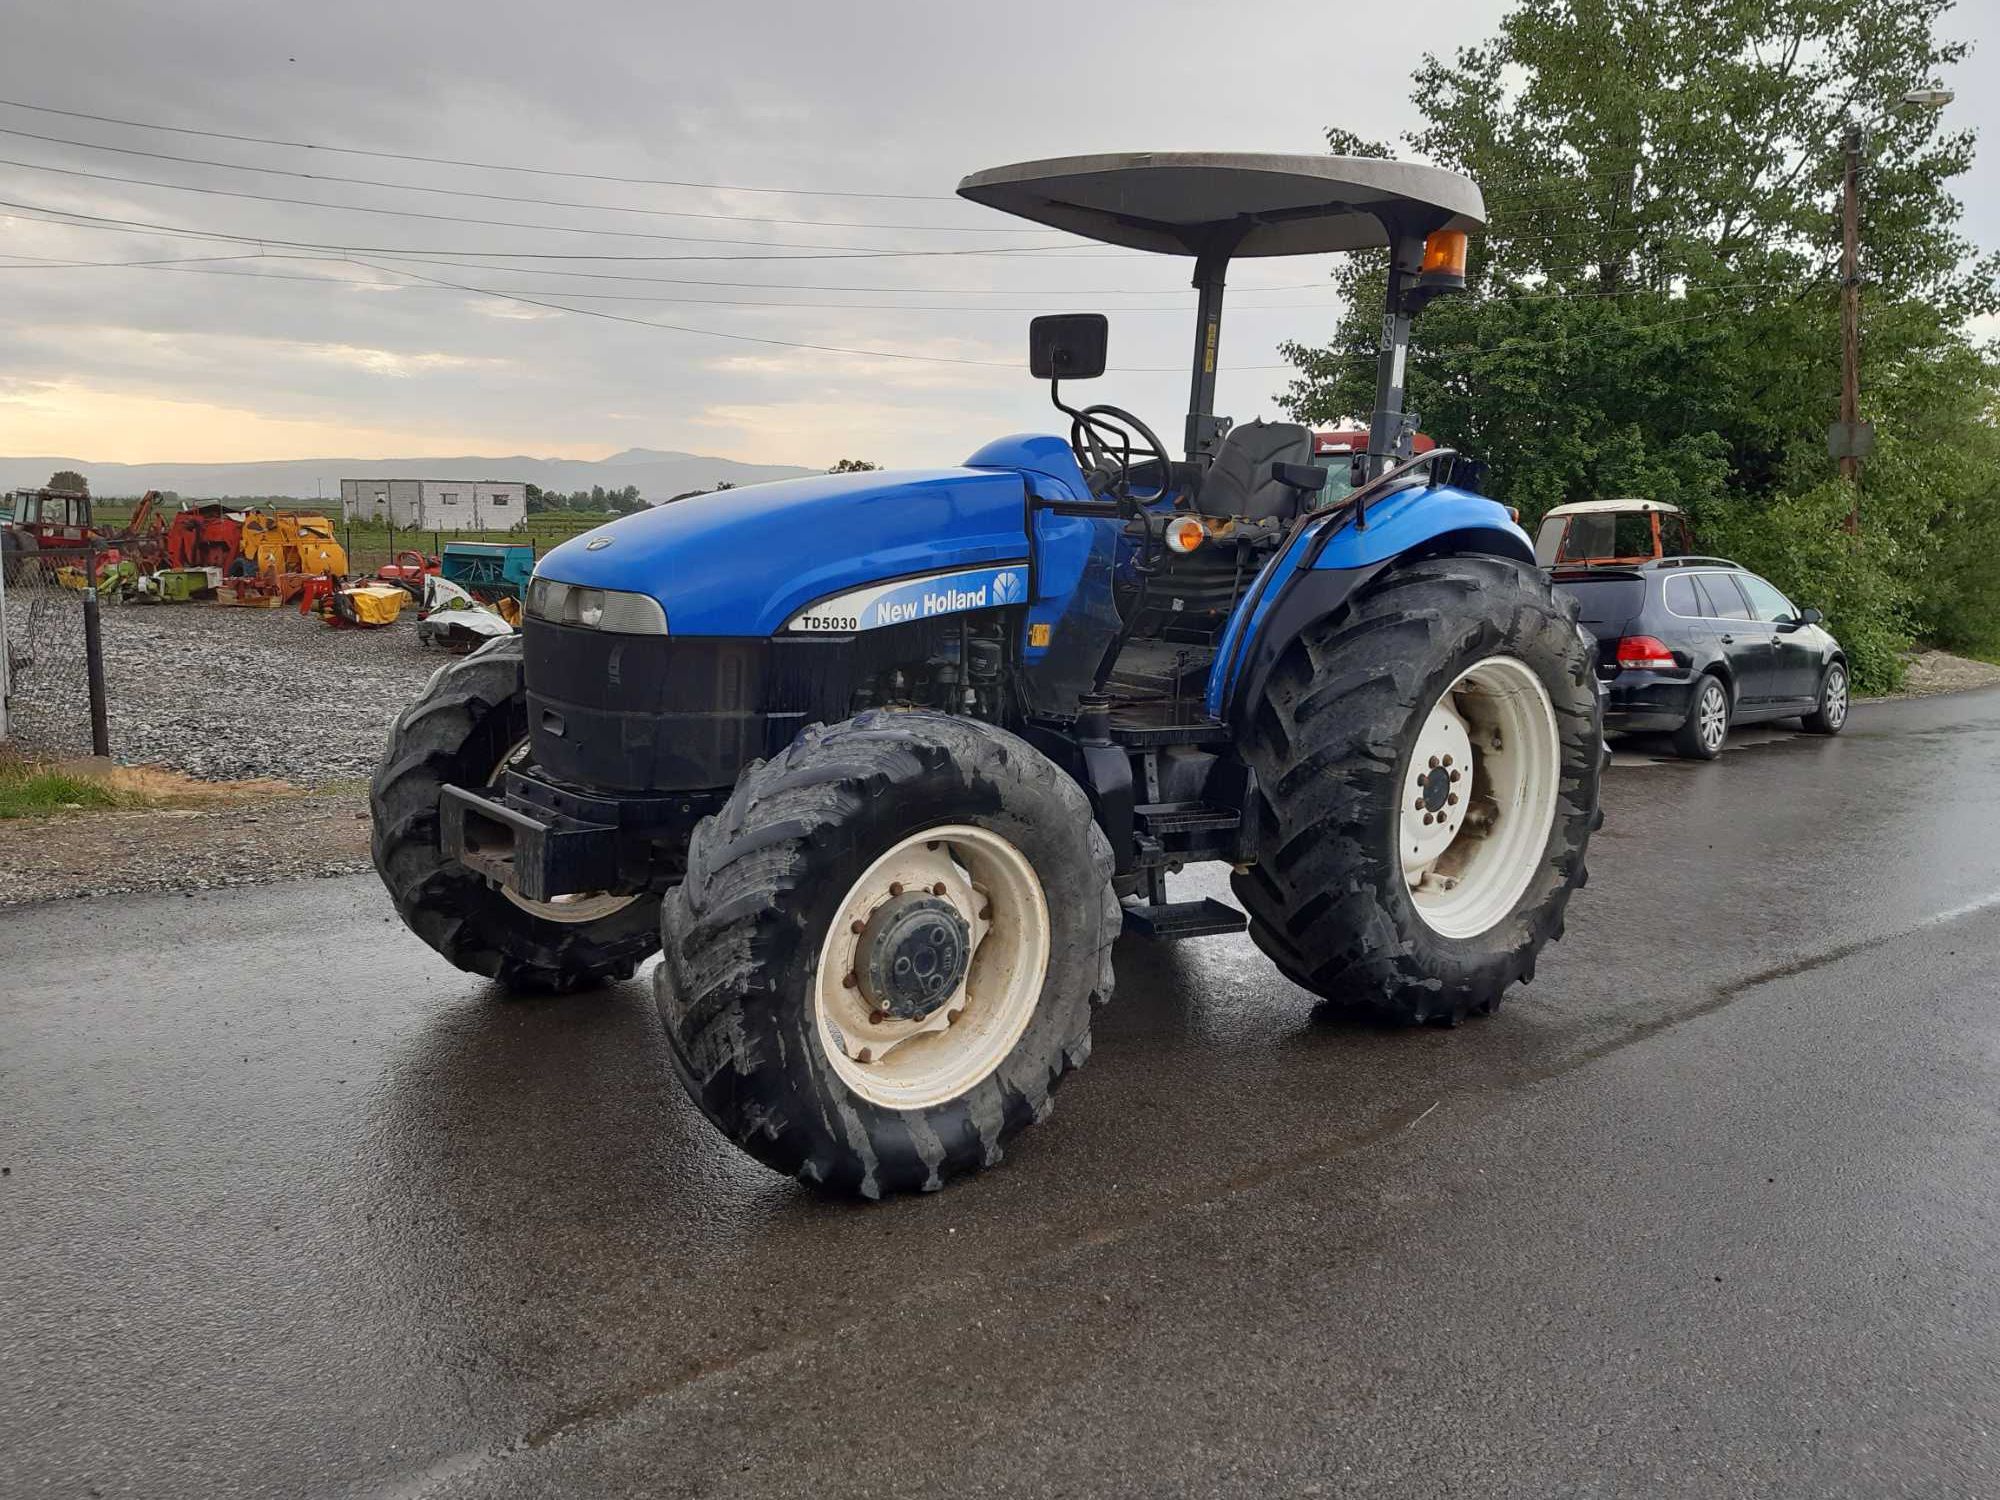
x: 882, y: 764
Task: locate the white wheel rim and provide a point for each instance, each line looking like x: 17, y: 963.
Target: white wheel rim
x: 1479, y: 797
x: 1836, y: 697
x: 583, y: 907
x: 917, y: 1063
x: 1714, y: 715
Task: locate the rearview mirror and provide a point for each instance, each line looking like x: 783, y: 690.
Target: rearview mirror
x: 1068, y: 346
x: 1810, y: 616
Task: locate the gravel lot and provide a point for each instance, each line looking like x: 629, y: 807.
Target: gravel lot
x: 231, y: 694
x: 245, y: 839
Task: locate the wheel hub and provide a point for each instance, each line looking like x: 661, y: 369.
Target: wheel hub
x: 1479, y: 797
x: 913, y: 955
x: 932, y: 966
x: 1437, y: 788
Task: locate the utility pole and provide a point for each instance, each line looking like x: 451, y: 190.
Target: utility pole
x: 1850, y: 321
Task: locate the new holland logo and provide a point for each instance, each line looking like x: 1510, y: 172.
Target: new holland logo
x: 910, y: 599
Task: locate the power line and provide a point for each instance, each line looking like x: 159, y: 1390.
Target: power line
x: 416, y: 213
x: 744, y: 338
x: 144, y: 226
x: 447, y: 161
x: 414, y: 187
x: 795, y: 286
x: 191, y: 265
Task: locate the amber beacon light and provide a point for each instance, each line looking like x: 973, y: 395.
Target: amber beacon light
x: 1444, y: 260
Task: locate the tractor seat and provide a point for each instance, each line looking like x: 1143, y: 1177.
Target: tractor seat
x: 1239, y: 482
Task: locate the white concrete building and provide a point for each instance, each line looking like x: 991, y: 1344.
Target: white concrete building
x: 435, y: 504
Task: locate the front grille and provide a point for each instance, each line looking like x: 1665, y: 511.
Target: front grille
x: 667, y: 713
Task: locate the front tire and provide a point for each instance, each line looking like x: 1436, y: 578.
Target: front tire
x: 1830, y: 717
x: 792, y: 1015
x: 1428, y: 761
x: 469, y: 725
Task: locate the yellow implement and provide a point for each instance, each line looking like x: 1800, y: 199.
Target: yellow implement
x: 292, y: 542
x: 369, y: 604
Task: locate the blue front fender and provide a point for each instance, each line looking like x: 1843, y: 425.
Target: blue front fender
x: 1402, y: 522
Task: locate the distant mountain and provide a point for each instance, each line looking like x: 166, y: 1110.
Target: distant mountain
x: 659, y: 475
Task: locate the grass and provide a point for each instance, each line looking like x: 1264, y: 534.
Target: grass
x: 37, y: 792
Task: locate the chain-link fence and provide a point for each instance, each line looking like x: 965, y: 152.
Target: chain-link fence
x: 46, y: 649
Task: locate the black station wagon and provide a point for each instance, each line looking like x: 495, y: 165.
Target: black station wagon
x: 1691, y: 645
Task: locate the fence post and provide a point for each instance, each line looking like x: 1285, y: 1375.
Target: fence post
x: 93, y: 657
x: 6, y: 687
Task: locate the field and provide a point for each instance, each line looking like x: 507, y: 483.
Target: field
x: 371, y: 543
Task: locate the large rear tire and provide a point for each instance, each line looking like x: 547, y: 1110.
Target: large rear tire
x: 793, y: 1018
x: 20, y: 552
x: 470, y: 723
x: 1428, y: 761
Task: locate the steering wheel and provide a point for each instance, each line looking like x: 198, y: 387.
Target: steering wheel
x: 1101, y: 437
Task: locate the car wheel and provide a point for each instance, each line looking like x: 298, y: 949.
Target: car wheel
x: 1831, y: 715
x: 1707, y: 726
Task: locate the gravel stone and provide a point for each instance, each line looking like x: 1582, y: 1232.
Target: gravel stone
x: 249, y: 840
x: 227, y: 694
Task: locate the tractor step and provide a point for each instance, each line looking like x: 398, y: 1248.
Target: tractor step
x: 1163, y: 818
x: 1170, y: 921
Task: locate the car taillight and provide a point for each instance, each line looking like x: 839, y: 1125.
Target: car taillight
x: 1644, y: 653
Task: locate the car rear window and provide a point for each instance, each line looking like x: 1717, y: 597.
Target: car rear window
x: 1605, y: 601
x: 1607, y: 534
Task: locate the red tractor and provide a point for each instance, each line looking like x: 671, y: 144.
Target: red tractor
x: 1336, y: 451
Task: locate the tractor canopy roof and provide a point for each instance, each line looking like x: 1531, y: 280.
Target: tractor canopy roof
x: 1252, y: 203
x: 1628, y: 505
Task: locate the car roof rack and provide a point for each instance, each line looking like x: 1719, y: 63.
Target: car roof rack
x: 1691, y: 562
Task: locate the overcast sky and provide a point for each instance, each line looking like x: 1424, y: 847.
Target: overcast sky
x: 279, y: 358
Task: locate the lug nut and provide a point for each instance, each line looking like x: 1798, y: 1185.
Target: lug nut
x: 1454, y: 775
x: 938, y: 889
x: 1447, y: 760
x: 857, y: 926
x: 1451, y: 798
x: 1434, y: 762
x: 865, y: 1055
x: 877, y: 1017
x: 895, y: 887
x: 851, y: 982
x: 1427, y: 820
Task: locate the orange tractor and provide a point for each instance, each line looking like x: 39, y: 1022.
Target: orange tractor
x: 36, y: 521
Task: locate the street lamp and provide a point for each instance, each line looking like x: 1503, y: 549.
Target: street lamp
x: 1849, y: 440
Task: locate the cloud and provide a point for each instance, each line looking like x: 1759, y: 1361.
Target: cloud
x: 895, y: 98
x: 74, y: 420
x: 394, y: 363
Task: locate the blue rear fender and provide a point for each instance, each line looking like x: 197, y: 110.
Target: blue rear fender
x: 1405, y: 521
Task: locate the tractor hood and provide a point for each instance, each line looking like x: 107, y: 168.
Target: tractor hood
x: 742, y: 562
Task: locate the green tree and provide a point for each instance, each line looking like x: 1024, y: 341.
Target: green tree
x: 1653, y: 306
x: 69, y: 479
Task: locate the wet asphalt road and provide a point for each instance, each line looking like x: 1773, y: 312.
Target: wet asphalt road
x: 1712, y: 1208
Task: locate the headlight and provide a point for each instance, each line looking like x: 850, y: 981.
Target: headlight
x: 608, y: 610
